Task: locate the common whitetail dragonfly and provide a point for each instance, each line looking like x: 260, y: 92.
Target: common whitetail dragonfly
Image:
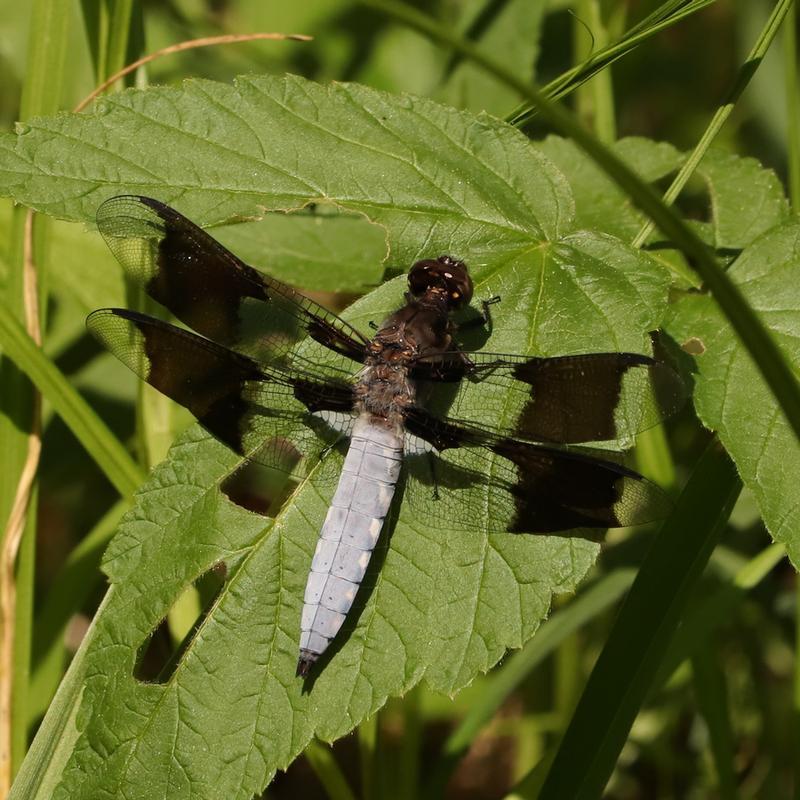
x: 251, y: 377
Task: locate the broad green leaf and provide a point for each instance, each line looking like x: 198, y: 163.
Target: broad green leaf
x: 440, y: 605
x: 439, y: 180
x: 743, y: 198
x: 324, y: 251
x: 82, y: 275
x: 80, y: 266
x: 746, y: 198
x: 730, y: 396
x: 599, y: 203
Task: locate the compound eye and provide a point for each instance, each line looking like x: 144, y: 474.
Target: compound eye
x: 422, y: 276
x: 444, y: 273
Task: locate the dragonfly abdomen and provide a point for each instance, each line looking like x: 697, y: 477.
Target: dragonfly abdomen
x: 349, y: 534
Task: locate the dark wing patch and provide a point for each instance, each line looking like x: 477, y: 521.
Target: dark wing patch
x: 567, y: 399
x: 260, y: 412
x: 521, y: 487
x: 211, y: 290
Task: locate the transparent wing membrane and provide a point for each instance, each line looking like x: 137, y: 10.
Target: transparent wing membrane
x: 592, y: 397
x: 215, y: 293
x: 504, y: 485
x: 261, y: 413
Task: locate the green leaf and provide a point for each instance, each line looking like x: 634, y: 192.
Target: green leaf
x: 743, y: 198
x: 746, y: 198
x: 730, y: 396
x: 438, y: 604
x: 599, y: 203
x: 309, y: 250
x: 439, y: 180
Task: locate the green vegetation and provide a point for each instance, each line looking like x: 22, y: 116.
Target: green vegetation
x: 535, y: 140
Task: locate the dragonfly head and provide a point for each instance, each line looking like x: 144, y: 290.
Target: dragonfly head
x: 444, y: 276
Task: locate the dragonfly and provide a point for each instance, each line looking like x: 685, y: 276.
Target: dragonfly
x: 277, y: 377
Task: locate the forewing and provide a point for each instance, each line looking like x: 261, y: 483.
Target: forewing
x: 472, y: 478
x: 265, y: 414
x: 570, y: 399
x: 212, y: 291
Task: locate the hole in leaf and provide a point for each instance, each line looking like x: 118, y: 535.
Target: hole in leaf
x: 265, y: 480
x: 160, y: 654
x: 694, y: 346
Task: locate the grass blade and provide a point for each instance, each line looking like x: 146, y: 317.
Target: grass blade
x: 20, y: 408
x: 78, y: 578
x: 642, y: 633
x: 743, y: 77
x: 323, y: 763
x: 664, y: 17
x: 710, y: 691
x: 40, y: 772
x: 89, y: 429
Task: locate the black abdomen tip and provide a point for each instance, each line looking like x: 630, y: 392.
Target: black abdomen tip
x: 305, y: 662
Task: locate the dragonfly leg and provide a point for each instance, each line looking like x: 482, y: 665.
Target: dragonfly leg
x: 486, y: 305
x: 432, y: 465
x: 484, y: 319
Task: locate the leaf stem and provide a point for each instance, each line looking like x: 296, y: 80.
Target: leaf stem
x: 667, y: 15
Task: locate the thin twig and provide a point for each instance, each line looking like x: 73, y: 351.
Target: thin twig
x: 207, y: 41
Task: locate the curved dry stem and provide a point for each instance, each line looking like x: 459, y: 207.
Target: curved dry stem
x: 15, y: 526
x: 207, y: 41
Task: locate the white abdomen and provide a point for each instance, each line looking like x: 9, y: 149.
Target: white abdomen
x: 349, y: 534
